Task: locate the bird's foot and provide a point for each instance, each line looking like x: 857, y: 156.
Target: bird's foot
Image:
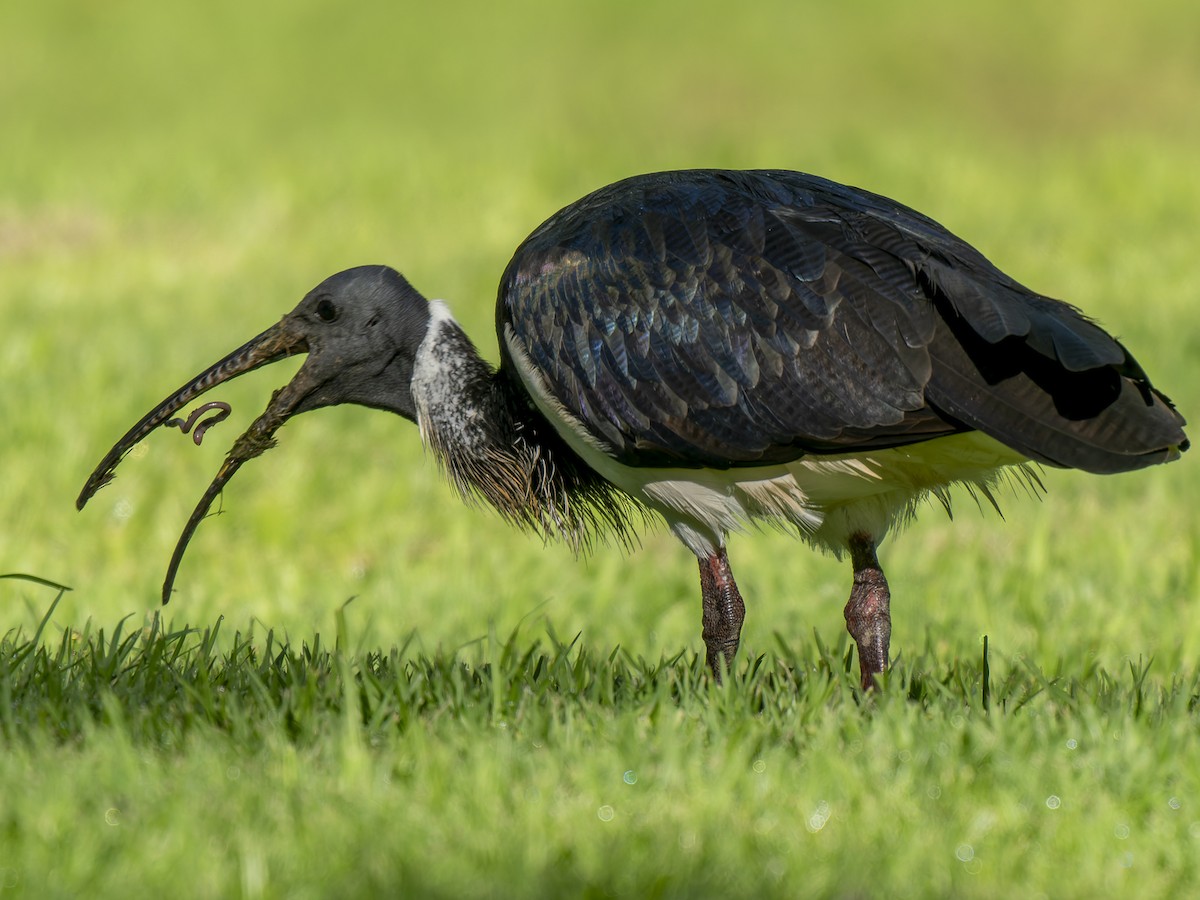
x: 868, y: 611
x: 723, y: 611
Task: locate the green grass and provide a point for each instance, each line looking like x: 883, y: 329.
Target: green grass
x: 173, y: 179
x: 537, y: 768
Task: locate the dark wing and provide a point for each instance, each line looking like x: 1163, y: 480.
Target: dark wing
x: 737, y: 318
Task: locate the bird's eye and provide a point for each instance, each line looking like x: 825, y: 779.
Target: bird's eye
x: 327, y: 310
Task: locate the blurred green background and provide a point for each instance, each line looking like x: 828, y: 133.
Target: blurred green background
x: 174, y: 177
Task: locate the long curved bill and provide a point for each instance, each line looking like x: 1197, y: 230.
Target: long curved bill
x: 274, y: 344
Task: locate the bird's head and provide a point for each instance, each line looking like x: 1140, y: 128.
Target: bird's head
x: 361, y: 329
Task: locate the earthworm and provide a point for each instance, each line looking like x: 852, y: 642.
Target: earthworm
x: 185, y: 425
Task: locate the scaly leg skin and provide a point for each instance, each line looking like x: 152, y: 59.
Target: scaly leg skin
x: 723, y: 610
x: 868, y: 616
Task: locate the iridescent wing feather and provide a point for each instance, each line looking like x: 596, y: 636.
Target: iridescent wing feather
x: 724, y: 319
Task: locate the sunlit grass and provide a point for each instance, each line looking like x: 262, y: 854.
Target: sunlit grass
x: 309, y: 766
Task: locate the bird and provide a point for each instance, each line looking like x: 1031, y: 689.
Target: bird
x: 719, y: 349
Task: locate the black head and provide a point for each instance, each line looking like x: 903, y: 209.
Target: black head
x: 361, y: 329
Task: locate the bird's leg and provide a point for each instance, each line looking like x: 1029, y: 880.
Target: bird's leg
x: 723, y: 610
x: 868, y: 616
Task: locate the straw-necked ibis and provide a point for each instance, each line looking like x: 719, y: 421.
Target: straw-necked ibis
x: 721, y: 348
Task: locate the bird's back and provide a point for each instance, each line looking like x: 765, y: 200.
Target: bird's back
x: 723, y: 319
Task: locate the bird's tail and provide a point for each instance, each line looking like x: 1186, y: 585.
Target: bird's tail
x: 1066, y: 393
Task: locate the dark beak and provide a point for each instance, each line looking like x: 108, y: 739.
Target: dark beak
x: 276, y: 343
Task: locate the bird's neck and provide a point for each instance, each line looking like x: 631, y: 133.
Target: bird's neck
x: 494, y: 445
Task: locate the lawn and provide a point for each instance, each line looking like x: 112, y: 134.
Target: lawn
x: 362, y: 686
